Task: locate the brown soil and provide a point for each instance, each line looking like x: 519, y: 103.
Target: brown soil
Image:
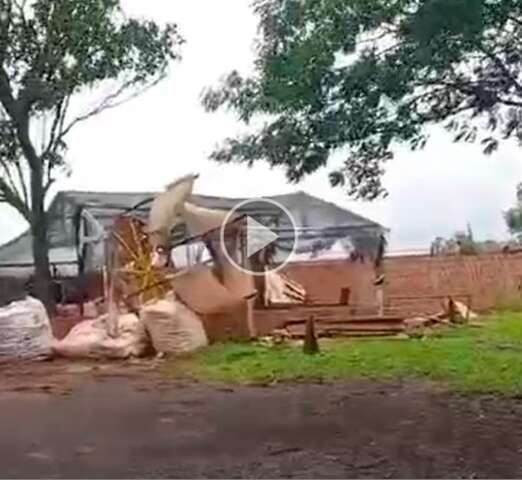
x: 70, y: 420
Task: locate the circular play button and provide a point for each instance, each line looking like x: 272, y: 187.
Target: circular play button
x: 259, y: 236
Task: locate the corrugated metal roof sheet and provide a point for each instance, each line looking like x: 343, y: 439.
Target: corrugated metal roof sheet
x: 311, y: 214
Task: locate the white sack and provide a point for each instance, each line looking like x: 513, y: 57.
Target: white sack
x: 25, y: 330
x: 173, y: 328
x: 90, y: 339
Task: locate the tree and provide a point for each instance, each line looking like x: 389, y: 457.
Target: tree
x: 51, y: 51
x: 438, y: 247
x: 466, y: 242
x: 356, y: 77
x: 513, y: 216
x: 462, y: 243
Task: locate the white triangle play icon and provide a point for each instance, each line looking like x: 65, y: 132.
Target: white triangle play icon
x: 258, y: 236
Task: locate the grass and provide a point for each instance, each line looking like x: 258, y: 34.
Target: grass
x: 468, y: 359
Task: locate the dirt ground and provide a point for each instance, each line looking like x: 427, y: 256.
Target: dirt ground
x: 69, y: 420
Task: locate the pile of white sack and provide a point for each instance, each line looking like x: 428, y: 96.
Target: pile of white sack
x: 165, y: 326
x: 174, y: 329
x: 25, y: 330
x: 91, y: 339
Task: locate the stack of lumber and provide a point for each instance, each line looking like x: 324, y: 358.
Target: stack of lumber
x: 274, y: 318
x: 360, y: 326
x: 356, y: 320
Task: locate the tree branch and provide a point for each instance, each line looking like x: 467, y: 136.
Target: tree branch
x: 6, y: 94
x: 20, y: 118
x: 54, y: 128
x: 21, y: 180
x: 510, y: 103
x: 57, y: 128
x: 49, y: 183
x: 8, y: 175
x: 515, y: 20
x: 110, y: 102
x: 500, y: 65
x: 4, y: 31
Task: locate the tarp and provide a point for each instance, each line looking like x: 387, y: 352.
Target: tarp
x: 167, y: 210
x: 202, y: 292
x: 201, y: 220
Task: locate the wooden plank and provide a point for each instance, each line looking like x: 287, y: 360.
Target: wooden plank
x: 350, y: 328
x: 349, y: 320
x: 351, y: 335
x: 427, y: 297
x: 363, y: 326
x: 308, y: 306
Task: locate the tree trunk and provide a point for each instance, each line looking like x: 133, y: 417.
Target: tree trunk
x: 42, y: 273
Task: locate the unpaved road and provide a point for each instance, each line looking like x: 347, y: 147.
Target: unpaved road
x: 115, y: 427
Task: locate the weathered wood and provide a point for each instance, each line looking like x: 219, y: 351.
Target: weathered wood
x: 335, y: 319
x: 349, y: 328
x: 311, y: 345
x: 298, y: 335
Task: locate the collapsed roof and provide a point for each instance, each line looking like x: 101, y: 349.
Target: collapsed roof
x: 76, y: 215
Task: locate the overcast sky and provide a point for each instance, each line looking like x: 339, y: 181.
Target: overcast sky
x: 149, y: 142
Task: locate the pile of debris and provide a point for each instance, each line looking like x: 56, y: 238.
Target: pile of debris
x: 176, y: 298
x: 163, y: 292
x: 336, y: 321
x: 152, y: 303
x: 453, y: 313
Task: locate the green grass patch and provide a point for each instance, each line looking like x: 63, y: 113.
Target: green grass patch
x: 468, y: 359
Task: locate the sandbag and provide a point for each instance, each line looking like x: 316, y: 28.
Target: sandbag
x: 90, y: 339
x: 25, y: 330
x: 173, y: 328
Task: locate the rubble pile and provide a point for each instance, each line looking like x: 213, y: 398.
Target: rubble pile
x: 154, y: 303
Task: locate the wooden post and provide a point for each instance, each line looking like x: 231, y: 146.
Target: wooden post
x: 311, y: 345
x: 452, y: 314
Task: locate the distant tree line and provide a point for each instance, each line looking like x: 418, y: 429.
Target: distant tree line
x: 464, y: 243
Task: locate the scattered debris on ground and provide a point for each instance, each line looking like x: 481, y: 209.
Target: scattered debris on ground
x: 335, y: 321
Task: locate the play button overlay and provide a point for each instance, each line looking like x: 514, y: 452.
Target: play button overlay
x: 258, y: 236
x: 259, y: 232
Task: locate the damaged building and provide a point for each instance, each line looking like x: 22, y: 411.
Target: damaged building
x: 79, y: 222
x: 333, y: 260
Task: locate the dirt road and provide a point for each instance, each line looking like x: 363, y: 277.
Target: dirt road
x: 115, y: 428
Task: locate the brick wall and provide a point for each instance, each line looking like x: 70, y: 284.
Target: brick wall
x: 324, y: 280
x: 490, y: 279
